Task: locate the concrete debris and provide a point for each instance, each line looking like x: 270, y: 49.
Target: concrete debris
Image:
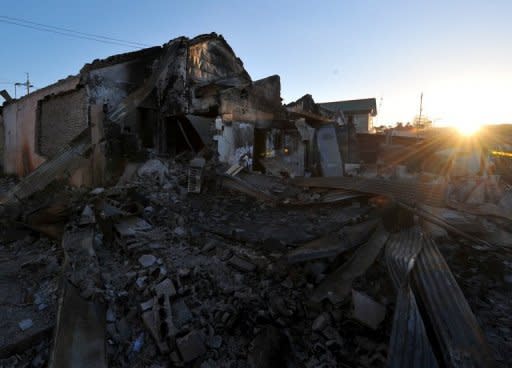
x: 333, y: 244
x: 241, y: 264
x: 195, y: 174
x: 87, y: 217
x: 234, y: 170
x: 147, y: 260
x: 320, y: 322
x: 339, y: 283
x: 81, y: 318
x: 186, y: 217
x: 367, y: 311
x: 25, y: 324
x: 154, y: 169
x: 191, y: 346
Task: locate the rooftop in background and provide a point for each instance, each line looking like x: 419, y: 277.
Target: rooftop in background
x: 367, y: 105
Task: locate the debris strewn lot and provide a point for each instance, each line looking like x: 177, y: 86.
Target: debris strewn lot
x: 234, y: 231
x: 216, y: 280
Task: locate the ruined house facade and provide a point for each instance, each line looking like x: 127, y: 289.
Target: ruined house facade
x: 186, y: 95
x: 358, y: 112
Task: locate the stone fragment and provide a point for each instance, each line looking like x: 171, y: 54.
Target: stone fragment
x: 147, y: 260
x: 25, y: 324
x: 320, y: 322
x: 180, y: 232
x: 110, y: 315
x: 241, y: 264
x: 97, y: 191
x: 146, y: 305
x: 141, y: 282
x: 367, y: 311
x: 215, y: 342
x: 181, y: 313
x: 165, y: 287
x: 191, y: 346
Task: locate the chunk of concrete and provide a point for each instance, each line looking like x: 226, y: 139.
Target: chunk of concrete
x: 191, y: 346
x: 154, y: 168
x: 147, y: 260
x: 25, y: 324
x: 165, y: 287
x: 241, y: 264
x: 320, y: 322
x: 181, y: 313
x: 367, y: 311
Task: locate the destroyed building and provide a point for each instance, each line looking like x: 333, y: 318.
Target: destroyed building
x: 185, y: 95
x: 161, y: 208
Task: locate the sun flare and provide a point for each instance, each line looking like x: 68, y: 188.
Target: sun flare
x: 468, y: 129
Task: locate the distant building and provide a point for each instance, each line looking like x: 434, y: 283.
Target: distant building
x: 359, y: 112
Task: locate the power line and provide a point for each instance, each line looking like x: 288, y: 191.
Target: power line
x: 71, y: 34
x: 73, y: 31
x: 67, y: 34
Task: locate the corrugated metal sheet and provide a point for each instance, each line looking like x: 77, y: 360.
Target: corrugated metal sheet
x: 451, y: 327
x: 410, y: 193
x: 409, y: 345
x: 460, y: 339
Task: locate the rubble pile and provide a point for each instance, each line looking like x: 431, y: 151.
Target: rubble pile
x: 222, y: 279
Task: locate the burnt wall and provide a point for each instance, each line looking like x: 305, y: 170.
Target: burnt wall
x: 20, y: 122
x: 61, y: 118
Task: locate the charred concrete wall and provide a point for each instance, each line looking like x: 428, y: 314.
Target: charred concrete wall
x: 147, y: 91
x: 212, y: 67
x: 109, y: 85
x: 20, y: 121
x: 211, y: 59
x: 61, y: 118
x: 259, y: 101
x: 235, y: 142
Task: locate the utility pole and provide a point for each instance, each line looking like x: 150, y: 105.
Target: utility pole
x: 421, y: 108
x: 26, y: 84
x: 419, y: 118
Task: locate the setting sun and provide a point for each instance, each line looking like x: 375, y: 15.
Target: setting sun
x: 468, y: 129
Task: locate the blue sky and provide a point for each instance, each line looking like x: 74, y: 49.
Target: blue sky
x: 458, y: 53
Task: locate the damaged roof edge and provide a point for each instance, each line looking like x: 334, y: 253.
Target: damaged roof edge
x: 121, y: 58
x: 153, y: 51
